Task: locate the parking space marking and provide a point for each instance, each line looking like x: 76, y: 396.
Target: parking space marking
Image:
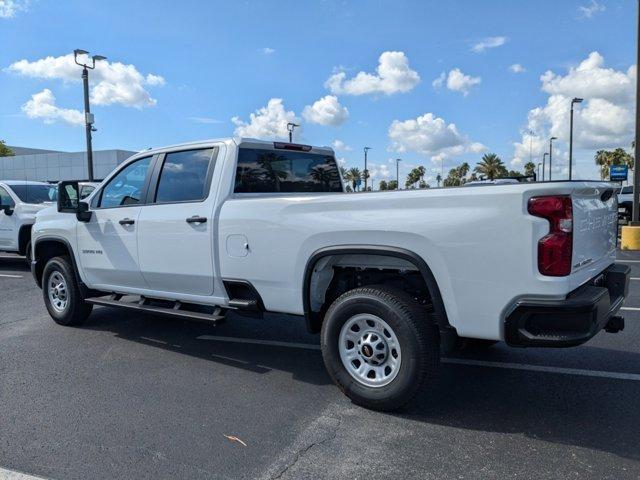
x: 6, y: 474
x: 10, y: 276
x: 632, y: 309
x: 454, y: 361
x: 635, y: 278
x: 627, y: 261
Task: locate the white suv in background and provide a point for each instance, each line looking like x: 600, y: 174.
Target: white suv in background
x: 19, y: 203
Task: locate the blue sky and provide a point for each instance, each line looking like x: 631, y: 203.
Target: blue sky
x: 212, y: 61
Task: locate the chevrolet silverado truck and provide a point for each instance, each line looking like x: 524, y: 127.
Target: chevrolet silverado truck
x: 389, y: 279
x: 19, y: 203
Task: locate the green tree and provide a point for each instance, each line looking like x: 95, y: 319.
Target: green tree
x: 392, y: 185
x: 491, y: 167
x: 438, y: 179
x: 383, y: 185
x: 354, y: 176
x: 4, y: 150
x: 605, y: 158
x: 423, y: 184
x: 529, y: 168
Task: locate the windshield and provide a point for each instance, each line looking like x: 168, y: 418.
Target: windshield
x: 36, y: 193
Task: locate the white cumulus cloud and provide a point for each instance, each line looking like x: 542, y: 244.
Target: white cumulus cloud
x: 456, y: 81
x: 430, y: 136
x: 489, y: 42
x: 267, y: 122
x: 590, y: 9
x: 268, y: 50
x: 10, y: 8
x: 110, y: 82
x: 517, y: 68
x: 326, y: 111
x: 43, y: 106
x: 604, y: 120
x: 393, y: 75
x: 340, y: 146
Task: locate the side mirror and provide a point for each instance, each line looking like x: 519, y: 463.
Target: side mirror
x: 8, y: 211
x: 68, y: 201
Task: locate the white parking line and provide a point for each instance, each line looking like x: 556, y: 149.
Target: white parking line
x: 635, y: 278
x: 455, y: 361
x: 627, y: 261
x: 13, y: 475
x: 10, y: 276
x: 631, y: 309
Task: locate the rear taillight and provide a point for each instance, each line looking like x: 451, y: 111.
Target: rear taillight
x: 556, y: 248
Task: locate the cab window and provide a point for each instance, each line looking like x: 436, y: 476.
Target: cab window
x: 5, y: 198
x: 127, y: 186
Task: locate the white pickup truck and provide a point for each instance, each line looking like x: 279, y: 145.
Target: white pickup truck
x: 389, y: 279
x: 19, y: 203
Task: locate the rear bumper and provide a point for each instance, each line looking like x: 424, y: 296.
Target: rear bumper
x: 573, y: 320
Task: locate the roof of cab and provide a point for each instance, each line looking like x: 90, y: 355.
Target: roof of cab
x: 22, y: 182
x: 244, y: 141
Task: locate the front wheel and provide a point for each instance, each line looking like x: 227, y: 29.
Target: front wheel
x: 62, y: 296
x: 379, y: 346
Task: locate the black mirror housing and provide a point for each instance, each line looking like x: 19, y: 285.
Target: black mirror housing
x: 69, y: 201
x: 68, y: 195
x: 7, y: 209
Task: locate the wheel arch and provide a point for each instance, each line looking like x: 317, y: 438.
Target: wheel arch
x: 45, y: 248
x: 313, y: 319
x: 24, y: 237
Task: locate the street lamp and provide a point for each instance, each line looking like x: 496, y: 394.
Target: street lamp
x: 88, y: 116
x: 538, y: 178
x: 575, y: 100
x: 551, y: 153
x: 366, y: 172
x: 290, y: 128
x: 398, y: 160
x: 544, y: 157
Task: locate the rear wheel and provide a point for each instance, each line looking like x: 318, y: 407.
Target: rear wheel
x: 62, y: 296
x: 379, y: 347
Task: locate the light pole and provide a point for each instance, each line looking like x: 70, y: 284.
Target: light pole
x: 544, y: 157
x: 88, y: 116
x: 538, y: 178
x: 398, y: 160
x: 290, y: 128
x: 551, y: 153
x: 575, y: 100
x: 530, y: 145
x: 366, y: 172
x: 635, y: 213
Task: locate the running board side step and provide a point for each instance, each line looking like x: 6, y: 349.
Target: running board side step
x: 143, y: 304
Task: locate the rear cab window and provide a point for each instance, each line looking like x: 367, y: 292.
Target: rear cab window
x: 285, y: 171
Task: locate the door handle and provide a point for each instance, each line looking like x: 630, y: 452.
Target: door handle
x: 196, y: 219
x: 127, y: 221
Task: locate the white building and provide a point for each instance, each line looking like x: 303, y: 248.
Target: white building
x: 55, y: 166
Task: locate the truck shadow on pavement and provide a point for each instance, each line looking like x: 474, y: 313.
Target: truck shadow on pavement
x: 585, y: 412
x: 181, y: 336
x: 17, y: 265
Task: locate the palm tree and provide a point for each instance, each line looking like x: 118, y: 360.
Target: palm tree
x: 354, y: 176
x: 438, y: 179
x: 529, y: 168
x: 605, y: 158
x: 463, y: 171
x: 491, y: 166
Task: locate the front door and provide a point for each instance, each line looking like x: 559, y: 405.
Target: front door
x: 8, y: 224
x: 107, y: 244
x: 175, y: 229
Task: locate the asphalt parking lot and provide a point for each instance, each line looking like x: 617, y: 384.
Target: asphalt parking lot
x: 137, y: 396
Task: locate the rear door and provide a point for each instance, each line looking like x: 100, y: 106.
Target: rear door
x: 176, y: 228
x: 595, y: 225
x: 8, y: 223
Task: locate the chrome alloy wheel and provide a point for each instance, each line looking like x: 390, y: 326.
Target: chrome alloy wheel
x: 369, y: 350
x: 57, y: 291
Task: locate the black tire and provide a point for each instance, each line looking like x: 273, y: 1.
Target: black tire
x: 75, y: 311
x: 417, y: 336
x: 27, y: 254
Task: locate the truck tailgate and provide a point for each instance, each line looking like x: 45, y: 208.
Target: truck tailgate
x: 595, y: 224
